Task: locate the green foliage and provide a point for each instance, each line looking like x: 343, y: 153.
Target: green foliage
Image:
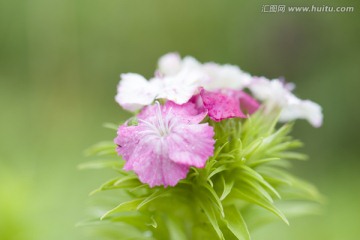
x: 241, y: 184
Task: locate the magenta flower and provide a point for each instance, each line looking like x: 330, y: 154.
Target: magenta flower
x: 225, y: 104
x: 248, y: 104
x: 165, y: 143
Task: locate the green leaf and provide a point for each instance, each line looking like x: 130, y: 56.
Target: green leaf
x: 255, y: 163
x: 218, y: 150
x: 297, y: 188
x: 139, y: 221
x: 300, y: 208
x: 276, y: 137
x: 285, y: 145
x: 252, y: 197
x: 257, y: 187
x: 217, y: 170
x: 100, y: 164
x: 273, y: 180
x: 249, y: 150
x: 208, y: 209
x: 152, y: 197
x: 130, y: 181
x: 226, y: 155
x: 153, y: 222
x: 112, y: 126
x: 236, y: 223
x: 227, y: 187
x: 102, y: 148
x: 292, y: 155
x: 251, y: 173
x: 273, y: 122
x: 106, y: 185
x: 131, y: 205
x: 214, y: 198
x: 176, y: 231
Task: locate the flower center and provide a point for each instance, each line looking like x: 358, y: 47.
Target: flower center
x: 162, y: 124
x: 159, y: 125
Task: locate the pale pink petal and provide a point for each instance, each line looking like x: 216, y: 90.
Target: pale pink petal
x: 185, y: 147
x: 221, y: 106
x: 186, y: 113
x: 126, y: 140
x: 153, y: 167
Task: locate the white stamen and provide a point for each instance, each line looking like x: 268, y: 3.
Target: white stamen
x: 160, y: 126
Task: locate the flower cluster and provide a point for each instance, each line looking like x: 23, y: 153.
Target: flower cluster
x: 171, y: 131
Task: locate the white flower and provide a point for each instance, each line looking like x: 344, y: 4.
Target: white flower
x: 181, y: 78
x: 176, y: 80
x: 180, y: 87
x: 134, y: 91
x: 226, y: 77
x: 215, y: 76
x: 302, y: 109
x: 171, y: 64
x: 276, y: 93
x: 272, y: 91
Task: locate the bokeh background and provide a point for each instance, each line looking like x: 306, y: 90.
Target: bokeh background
x: 60, y: 62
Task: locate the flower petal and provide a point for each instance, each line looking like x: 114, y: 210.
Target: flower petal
x: 169, y: 64
x: 226, y: 77
x: 302, y: 109
x: 126, y: 140
x: 191, y: 145
x: 248, y: 103
x: 221, y: 106
x: 181, y: 87
x: 153, y: 168
x: 186, y: 113
x: 274, y: 92
x: 134, y: 91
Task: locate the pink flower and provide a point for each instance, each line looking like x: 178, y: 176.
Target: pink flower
x: 248, y: 104
x: 167, y: 141
x: 225, y: 103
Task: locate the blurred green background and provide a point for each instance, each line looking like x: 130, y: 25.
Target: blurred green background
x: 60, y: 62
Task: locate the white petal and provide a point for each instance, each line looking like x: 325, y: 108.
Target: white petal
x: 302, y: 109
x: 181, y: 87
x: 170, y: 64
x: 134, y: 91
x: 273, y: 92
x: 189, y: 63
x: 179, y: 78
x: 226, y: 76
